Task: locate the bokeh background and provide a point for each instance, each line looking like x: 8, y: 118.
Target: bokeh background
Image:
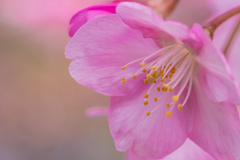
x: 42, y: 109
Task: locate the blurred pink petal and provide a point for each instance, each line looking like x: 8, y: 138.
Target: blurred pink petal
x: 173, y: 61
x: 97, y: 111
x: 42, y: 12
x: 188, y: 151
x: 222, y: 34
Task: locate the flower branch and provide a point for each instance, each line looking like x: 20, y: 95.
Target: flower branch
x: 216, y: 22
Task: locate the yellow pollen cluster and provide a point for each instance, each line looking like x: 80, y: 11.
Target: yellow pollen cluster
x: 124, y: 67
x: 142, y: 64
x: 168, y: 105
x: 157, y: 74
x: 180, y: 107
x: 168, y: 113
x: 153, y: 67
x: 146, y: 95
x: 124, y: 80
x: 145, y: 102
x: 148, y: 113
x: 145, y: 81
x: 175, y: 98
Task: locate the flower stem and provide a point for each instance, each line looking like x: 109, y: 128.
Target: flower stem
x: 216, y: 22
x: 231, y: 37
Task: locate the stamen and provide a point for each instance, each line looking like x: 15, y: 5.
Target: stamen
x: 168, y: 113
x: 168, y: 105
x: 175, y: 98
x: 146, y: 95
x: 148, y: 113
x: 162, y: 79
x: 145, y: 70
x: 153, y: 67
x: 145, y: 81
x: 134, y: 77
x: 145, y: 102
x: 124, y: 80
x: 142, y: 64
x: 170, y: 89
x: 180, y: 107
x: 155, y: 99
x: 159, y: 89
x: 124, y: 67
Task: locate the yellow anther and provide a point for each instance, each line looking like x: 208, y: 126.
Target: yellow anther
x: 155, y: 99
x: 145, y: 70
x: 164, y: 89
x: 170, y: 89
x: 168, y: 113
x: 153, y: 67
x: 164, y: 67
x: 166, y: 76
x: 150, y: 78
x: 162, y: 79
x: 163, y: 75
x: 173, y: 70
x: 180, y: 107
x: 145, y: 102
x: 170, y: 75
x: 134, y: 77
x: 142, y: 64
x: 155, y: 74
x: 145, y: 81
x: 161, y: 71
x: 146, y: 95
x: 168, y: 105
x: 170, y: 79
x: 155, y: 81
x: 148, y: 113
x: 159, y: 89
x: 124, y: 67
x: 175, y: 98
x: 165, y: 85
x: 124, y: 80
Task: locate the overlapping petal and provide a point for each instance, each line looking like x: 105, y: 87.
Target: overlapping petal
x: 89, y: 13
x: 142, y: 18
x: 101, y: 48
x: 188, y: 151
x: 153, y: 136
x: 216, y: 126
x: 215, y: 76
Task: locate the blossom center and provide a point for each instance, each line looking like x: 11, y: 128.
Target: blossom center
x: 166, y: 69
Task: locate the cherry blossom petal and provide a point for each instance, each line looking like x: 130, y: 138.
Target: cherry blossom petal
x: 153, y: 136
x: 214, y: 75
x: 87, y: 14
x: 216, y: 126
x: 188, y: 151
x: 97, y: 111
x: 142, y: 18
x: 100, y: 48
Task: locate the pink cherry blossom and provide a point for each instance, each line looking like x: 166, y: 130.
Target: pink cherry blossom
x: 134, y: 54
